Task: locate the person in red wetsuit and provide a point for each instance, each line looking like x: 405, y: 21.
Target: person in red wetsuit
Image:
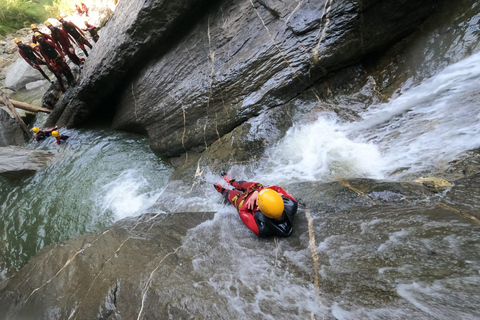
x: 92, y: 30
x: 79, y: 10
x: 29, y: 55
x: 76, y: 33
x: 60, y: 138
x: 84, y: 8
x: 35, y: 29
x: 264, y: 210
x: 42, y: 134
x: 55, y: 59
x: 61, y: 39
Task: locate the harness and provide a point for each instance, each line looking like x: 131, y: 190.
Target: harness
x: 254, y: 188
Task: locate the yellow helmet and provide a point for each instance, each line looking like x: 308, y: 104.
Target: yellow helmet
x: 59, y: 17
x: 47, y: 23
x: 17, y: 41
x: 55, y: 134
x: 86, y: 22
x: 270, y: 203
x: 33, y: 45
x: 33, y: 26
x: 35, y: 129
x: 38, y: 34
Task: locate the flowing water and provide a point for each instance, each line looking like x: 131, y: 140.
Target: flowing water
x: 98, y: 177
x: 384, y: 264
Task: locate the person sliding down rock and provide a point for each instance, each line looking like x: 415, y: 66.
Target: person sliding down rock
x: 60, y: 138
x: 264, y: 210
x: 61, y: 39
x: 42, y: 134
x: 76, y: 34
x: 29, y: 55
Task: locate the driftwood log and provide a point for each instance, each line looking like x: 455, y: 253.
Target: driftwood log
x: 10, y: 106
x: 29, y: 107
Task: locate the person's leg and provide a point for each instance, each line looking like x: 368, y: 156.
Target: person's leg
x: 242, y: 185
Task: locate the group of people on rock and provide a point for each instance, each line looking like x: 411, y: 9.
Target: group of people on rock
x: 50, y: 49
x: 41, y: 135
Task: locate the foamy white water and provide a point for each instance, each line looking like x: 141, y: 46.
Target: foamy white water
x: 422, y: 128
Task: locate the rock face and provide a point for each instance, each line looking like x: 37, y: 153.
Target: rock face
x: 367, y: 234
x: 17, y: 162
x: 10, y: 131
x: 191, y: 72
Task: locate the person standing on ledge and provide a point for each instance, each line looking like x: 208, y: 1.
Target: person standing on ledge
x: 76, y: 34
x: 61, y: 39
x: 264, y: 210
x: 92, y: 30
x: 35, y: 29
x: 54, y: 57
x: 29, y: 55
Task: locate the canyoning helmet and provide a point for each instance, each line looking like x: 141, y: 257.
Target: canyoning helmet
x: 47, y: 23
x: 33, y: 26
x: 55, y: 134
x: 59, y: 18
x: 86, y: 22
x: 270, y: 203
x: 17, y: 41
x: 33, y: 45
x: 35, y: 129
x: 38, y: 34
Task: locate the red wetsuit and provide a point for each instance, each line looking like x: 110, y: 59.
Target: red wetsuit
x: 84, y: 9
x: 32, y: 58
x: 56, y: 62
x: 45, y: 35
x: 79, y: 10
x: 61, y: 38
x: 254, y: 219
x: 76, y: 34
x: 43, y: 134
x: 93, y: 31
x: 62, y: 139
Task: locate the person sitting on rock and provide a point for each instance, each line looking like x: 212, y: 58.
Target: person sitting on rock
x: 76, y: 34
x: 29, y: 55
x: 264, y: 210
x: 35, y: 29
x: 54, y: 57
x: 61, y: 39
x: 60, y: 138
x: 42, y: 134
x: 92, y: 30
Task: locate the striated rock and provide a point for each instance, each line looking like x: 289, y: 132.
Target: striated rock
x: 188, y: 86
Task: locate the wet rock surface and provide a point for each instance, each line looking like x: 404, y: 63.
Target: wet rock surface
x: 187, y: 87
x: 180, y: 265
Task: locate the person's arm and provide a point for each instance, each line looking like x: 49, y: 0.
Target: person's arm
x: 24, y: 57
x: 248, y: 218
x: 79, y: 30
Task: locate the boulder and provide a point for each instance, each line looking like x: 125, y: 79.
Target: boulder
x: 20, y: 73
x: 19, y: 162
x: 188, y: 73
x: 10, y: 131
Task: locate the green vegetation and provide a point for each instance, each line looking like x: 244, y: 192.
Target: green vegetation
x: 17, y: 14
